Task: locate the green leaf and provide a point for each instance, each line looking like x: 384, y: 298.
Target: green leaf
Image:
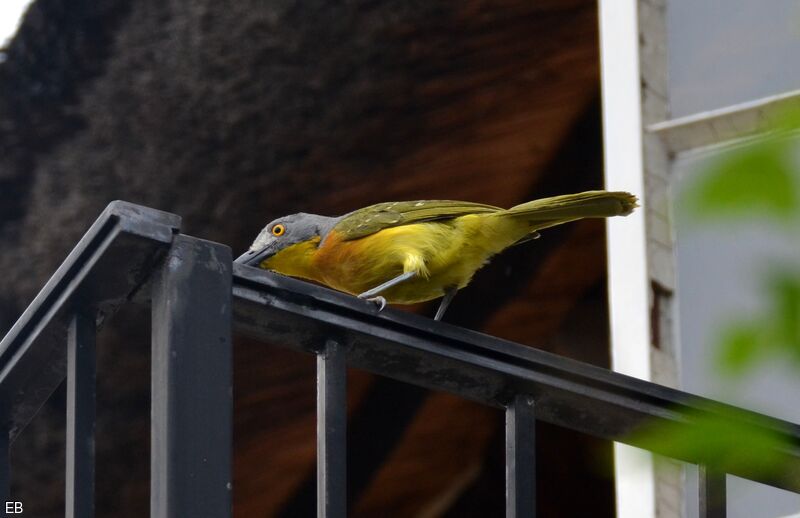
x: 784, y: 316
x: 721, y: 437
x: 740, y: 348
x: 786, y: 121
x: 757, y: 180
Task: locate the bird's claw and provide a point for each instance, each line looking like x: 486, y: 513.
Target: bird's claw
x: 379, y: 301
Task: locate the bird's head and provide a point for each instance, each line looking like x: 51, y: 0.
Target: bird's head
x: 283, y: 233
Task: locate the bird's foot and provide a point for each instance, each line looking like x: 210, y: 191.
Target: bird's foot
x: 378, y: 301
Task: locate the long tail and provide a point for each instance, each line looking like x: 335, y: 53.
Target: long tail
x: 548, y: 212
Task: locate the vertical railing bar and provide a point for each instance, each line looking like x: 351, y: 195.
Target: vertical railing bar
x: 713, y: 492
x: 191, y: 400
x: 520, y: 458
x: 81, y: 374
x: 331, y: 431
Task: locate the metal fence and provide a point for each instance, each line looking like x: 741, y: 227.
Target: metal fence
x: 136, y: 254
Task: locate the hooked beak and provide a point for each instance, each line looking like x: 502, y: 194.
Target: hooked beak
x: 254, y: 257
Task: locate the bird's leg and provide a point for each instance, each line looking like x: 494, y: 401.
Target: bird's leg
x: 386, y: 285
x: 449, y: 293
x: 371, y: 295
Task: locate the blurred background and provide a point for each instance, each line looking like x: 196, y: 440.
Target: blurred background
x: 233, y: 113
x: 724, y: 54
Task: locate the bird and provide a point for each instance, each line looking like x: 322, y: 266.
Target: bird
x: 407, y: 252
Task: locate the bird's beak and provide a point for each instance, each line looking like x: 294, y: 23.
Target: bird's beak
x: 254, y: 257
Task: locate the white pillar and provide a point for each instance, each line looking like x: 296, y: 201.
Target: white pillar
x: 628, y: 278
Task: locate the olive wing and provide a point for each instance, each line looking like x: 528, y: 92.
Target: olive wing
x: 366, y: 221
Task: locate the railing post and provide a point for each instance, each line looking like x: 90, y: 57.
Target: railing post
x: 192, y: 382
x: 520, y: 458
x: 713, y: 492
x: 80, y: 462
x: 332, y: 432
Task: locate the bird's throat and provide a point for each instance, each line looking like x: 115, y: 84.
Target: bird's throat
x: 296, y: 260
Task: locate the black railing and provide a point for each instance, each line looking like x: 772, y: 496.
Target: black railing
x: 135, y: 254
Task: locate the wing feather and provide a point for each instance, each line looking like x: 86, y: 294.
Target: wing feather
x: 372, y: 219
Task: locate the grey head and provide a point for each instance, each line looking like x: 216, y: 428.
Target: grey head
x: 286, y: 231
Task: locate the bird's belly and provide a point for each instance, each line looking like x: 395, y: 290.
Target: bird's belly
x: 420, y: 289
x: 360, y: 265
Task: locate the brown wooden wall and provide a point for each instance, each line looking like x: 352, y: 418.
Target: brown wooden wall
x: 231, y: 114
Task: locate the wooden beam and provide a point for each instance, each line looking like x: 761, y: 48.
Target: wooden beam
x: 728, y: 126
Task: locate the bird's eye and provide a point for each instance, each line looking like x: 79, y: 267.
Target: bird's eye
x: 278, y: 230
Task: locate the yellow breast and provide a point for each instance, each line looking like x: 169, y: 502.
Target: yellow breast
x: 444, y: 255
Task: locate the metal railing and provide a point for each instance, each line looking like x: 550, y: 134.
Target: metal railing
x: 135, y: 254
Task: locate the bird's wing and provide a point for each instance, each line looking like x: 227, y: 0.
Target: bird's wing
x: 374, y: 218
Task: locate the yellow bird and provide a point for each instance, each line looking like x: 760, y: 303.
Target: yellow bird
x: 413, y: 251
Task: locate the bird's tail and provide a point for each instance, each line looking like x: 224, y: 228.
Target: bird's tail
x: 547, y: 212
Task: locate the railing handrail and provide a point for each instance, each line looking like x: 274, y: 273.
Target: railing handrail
x: 105, y: 269
x: 490, y: 370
